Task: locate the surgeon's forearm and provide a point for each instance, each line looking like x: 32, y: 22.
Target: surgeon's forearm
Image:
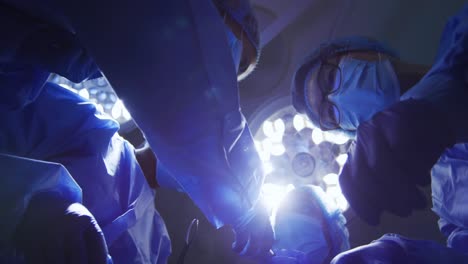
x: 159, y: 57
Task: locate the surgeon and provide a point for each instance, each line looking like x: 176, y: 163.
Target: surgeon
x: 402, y: 116
x: 309, y: 228
x: 83, y: 187
x: 174, y: 63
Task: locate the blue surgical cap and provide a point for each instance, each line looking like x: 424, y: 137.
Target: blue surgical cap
x: 242, y: 13
x: 324, y: 51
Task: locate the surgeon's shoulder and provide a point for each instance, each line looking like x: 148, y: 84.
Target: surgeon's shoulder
x: 453, y: 48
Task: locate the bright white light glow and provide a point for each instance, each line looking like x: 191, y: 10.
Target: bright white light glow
x: 309, y: 124
x: 334, y: 191
x: 317, y: 136
x: 258, y: 145
x: 331, y: 179
x: 100, y: 108
x: 272, y: 196
x: 341, y: 159
x: 274, y: 130
x: 264, y: 156
x: 126, y: 114
x: 267, y: 145
x: 289, y: 188
x: 341, y: 202
x: 117, y: 109
x: 299, y: 122
x: 279, y: 126
x: 277, y: 149
x: 267, y: 167
x: 337, y: 138
x: 68, y: 87
x: 84, y: 93
x: 268, y: 129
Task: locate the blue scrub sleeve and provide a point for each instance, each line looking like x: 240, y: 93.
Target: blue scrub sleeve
x: 23, y: 178
x: 391, y: 157
x: 173, y: 69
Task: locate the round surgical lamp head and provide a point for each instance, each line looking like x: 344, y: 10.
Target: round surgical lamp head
x: 303, y: 164
x: 294, y: 152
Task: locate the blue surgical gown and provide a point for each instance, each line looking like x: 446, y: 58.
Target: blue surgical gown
x: 62, y: 143
x: 172, y: 66
x: 396, y: 149
x: 446, y: 87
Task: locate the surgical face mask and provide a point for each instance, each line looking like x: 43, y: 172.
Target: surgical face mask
x: 235, y: 45
x: 302, y: 233
x: 367, y: 87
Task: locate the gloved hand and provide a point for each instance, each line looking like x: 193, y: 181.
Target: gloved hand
x: 55, y: 231
x: 392, y: 157
x: 396, y: 249
x: 254, y: 235
x: 383, y: 252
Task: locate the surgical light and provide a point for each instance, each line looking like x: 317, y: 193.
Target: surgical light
x: 99, y: 92
x: 268, y: 129
x: 341, y: 159
x: 341, y: 202
x: 317, y: 136
x: 267, y: 167
x: 100, y: 108
x: 299, y: 122
x: 68, y: 87
x: 279, y: 126
x: 116, y: 110
x: 273, y: 195
x: 277, y: 149
x: 84, y: 93
x: 296, y: 153
x: 267, y: 145
x: 331, y: 179
x: 274, y: 130
x: 335, y: 137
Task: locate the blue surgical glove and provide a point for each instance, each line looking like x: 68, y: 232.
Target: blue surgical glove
x: 254, y: 234
x: 55, y: 231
